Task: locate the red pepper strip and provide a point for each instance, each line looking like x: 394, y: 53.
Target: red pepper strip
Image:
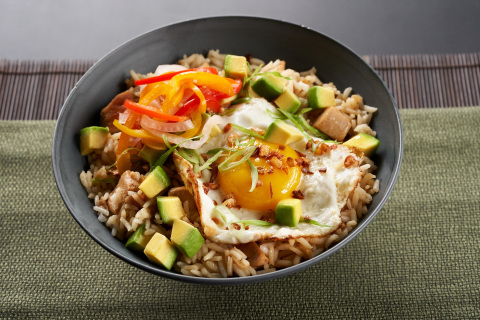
x: 151, y: 111
x: 189, y: 106
x: 236, y: 85
x: 169, y: 75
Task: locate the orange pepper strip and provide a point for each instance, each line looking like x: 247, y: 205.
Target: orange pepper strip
x: 123, y: 162
x: 212, y: 81
x: 158, y: 89
x: 151, y: 112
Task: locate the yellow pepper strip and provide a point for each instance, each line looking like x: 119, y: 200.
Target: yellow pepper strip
x: 171, y: 102
x: 137, y: 133
x: 159, y: 89
x: 212, y: 81
x: 154, y: 144
x: 203, y: 103
x: 197, y: 125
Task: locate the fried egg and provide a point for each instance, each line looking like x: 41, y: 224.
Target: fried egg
x: 324, y: 184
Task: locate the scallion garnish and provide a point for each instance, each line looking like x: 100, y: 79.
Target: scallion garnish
x: 121, y: 155
x: 254, y: 173
x: 247, y: 131
x: 275, y: 115
x: 259, y: 223
x: 165, y: 156
x: 189, y: 155
x: 227, y: 165
x: 207, y: 163
x: 244, y: 141
x: 314, y: 223
x: 311, y: 129
x: 240, y: 100
x: 275, y: 73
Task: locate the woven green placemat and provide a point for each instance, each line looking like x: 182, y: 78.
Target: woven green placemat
x: 419, y: 258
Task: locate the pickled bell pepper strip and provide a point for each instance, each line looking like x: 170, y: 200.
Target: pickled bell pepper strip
x: 151, y: 112
x: 154, y: 144
x: 137, y: 133
x: 123, y: 160
x: 159, y: 89
x: 197, y: 122
x: 212, y: 81
x: 169, y: 75
x: 199, y: 94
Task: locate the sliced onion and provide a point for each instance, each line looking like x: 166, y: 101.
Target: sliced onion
x: 149, y: 124
x: 207, y: 128
x: 122, y: 117
x: 164, y: 68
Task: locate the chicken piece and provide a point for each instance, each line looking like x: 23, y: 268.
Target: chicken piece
x: 333, y: 123
x: 129, y: 181
x: 255, y: 255
x: 184, y: 195
x: 114, y: 108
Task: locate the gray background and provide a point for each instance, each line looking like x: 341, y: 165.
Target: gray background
x: 88, y: 29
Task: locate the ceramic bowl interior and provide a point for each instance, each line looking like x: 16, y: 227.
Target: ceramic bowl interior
x: 266, y: 39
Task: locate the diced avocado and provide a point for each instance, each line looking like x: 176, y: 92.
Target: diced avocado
x: 236, y: 67
x: 364, y: 142
x: 320, y: 97
x: 92, y: 138
x: 161, y: 251
x: 269, y: 86
x: 138, y: 241
x: 170, y: 209
x: 288, y: 101
x: 282, y: 133
x: 155, y: 182
x: 186, y: 238
x: 150, y: 155
x: 288, y: 212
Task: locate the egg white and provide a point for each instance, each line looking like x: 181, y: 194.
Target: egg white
x: 325, y: 193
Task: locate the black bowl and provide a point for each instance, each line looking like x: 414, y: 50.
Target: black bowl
x: 266, y: 39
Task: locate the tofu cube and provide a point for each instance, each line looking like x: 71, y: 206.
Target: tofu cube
x: 333, y: 123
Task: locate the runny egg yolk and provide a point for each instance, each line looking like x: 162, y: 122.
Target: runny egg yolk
x: 276, y: 182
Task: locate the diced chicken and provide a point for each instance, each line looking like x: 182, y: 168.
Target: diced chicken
x: 129, y: 181
x: 333, y: 123
x: 184, y: 195
x: 114, y: 108
x: 255, y: 256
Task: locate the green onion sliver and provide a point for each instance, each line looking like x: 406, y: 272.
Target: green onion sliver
x: 254, y: 172
x: 244, y: 141
x: 188, y: 155
x: 165, y: 156
x: 311, y: 129
x: 207, y: 163
x: 121, y: 155
x: 259, y: 223
x: 247, y: 131
x: 314, y: 223
x: 226, y: 165
x: 275, y: 115
x: 304, y: 111
x: 240, y: 100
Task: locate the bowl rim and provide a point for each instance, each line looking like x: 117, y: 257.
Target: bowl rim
x: 59, y: 126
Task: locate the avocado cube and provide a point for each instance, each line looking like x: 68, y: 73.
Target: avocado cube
x: 150, y: 155
x: 288, y: 101
x: 186, y: 238
x: 155, y: 182
x: 269, y: 86
x: 282, y: 133
x: 320, y: 97
x: 161, y: 251
x: 236, y: 67
x: 138, y: 241
x: 364, y: 142
x: 170, y: 209
x: 288, y: 212
x: 92, y: 138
